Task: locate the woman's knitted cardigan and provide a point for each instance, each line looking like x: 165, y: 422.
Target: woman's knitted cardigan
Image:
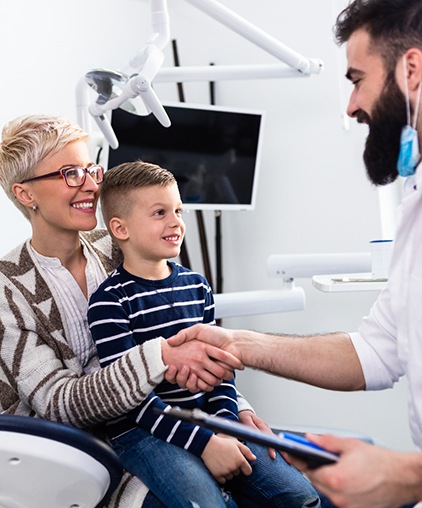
x: 39, y: 373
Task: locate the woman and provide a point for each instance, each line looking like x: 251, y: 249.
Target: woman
x: 49, y: 366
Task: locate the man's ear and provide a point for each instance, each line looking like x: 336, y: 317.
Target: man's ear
x: 118, y: 228
x: 23, y: 195
x: 413, y: 58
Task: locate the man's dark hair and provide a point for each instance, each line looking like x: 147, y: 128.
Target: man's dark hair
x: 393, y: 25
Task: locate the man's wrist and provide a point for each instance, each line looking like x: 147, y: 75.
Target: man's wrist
x: 244, y: 341
x: 414, y: 475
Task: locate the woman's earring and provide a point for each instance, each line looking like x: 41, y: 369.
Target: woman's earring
x: 34, y: 207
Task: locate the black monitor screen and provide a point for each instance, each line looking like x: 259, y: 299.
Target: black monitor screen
x: 213, y: 152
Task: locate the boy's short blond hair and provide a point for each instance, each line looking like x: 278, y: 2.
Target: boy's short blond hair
x: 116, y: 197
x: 28, y: 140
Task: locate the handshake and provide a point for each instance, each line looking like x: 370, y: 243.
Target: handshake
x: 200, y: 357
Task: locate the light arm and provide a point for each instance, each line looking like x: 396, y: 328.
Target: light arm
x: 142, y: 69
x: 254, y: 34
x: 145, y: 66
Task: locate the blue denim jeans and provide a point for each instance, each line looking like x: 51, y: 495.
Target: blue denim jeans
x: 180, y: 479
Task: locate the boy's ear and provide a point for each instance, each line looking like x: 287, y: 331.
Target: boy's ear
x: 22, y: 194
x: 118, y: 228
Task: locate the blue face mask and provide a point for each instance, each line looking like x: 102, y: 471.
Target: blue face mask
x: 409, y: 155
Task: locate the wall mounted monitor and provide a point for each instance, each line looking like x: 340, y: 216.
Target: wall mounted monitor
x: 214, y: 152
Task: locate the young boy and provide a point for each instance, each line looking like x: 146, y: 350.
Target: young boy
x: 148, y: 296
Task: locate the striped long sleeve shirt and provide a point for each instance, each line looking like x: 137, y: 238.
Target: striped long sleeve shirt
x: 125, y: 312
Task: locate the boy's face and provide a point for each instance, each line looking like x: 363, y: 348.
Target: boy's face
x: 155, y: 227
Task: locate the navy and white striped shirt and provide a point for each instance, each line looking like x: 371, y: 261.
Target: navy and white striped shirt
x: 126, y: 311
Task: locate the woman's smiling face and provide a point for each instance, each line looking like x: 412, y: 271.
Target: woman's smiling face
x: 60, y: 207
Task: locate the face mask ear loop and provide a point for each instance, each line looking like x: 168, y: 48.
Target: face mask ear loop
x: 406, y: 87
x: 418, y: 101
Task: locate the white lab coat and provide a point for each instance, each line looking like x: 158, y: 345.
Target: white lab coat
x: 389, y: 340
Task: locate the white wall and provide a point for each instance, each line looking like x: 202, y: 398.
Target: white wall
x: 313, y: 193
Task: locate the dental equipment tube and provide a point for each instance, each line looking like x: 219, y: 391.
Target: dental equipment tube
x: 248, y: 303
x: 290, y: 266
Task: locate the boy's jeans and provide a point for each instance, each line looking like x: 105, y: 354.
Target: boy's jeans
x: 180, y: 479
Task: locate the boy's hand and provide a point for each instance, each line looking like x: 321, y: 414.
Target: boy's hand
x: 226, y: 457
x: 209, y: 364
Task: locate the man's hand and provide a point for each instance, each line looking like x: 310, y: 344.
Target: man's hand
x: 217, y: 336
x: 366, y: 475
x: 248, y: 417
x: 226, y: 457
x: 206, y: 364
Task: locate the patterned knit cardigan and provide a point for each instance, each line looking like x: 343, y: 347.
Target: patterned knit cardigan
x: 39, y: 373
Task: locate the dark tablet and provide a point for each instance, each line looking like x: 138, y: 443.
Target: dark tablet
x: 294, y: 444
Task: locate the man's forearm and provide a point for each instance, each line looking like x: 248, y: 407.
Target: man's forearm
x: 328, y: 361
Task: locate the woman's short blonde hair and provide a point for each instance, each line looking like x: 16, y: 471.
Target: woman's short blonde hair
x: 28, y: 140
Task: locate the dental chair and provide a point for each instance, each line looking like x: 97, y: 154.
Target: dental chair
x: 45, y: 464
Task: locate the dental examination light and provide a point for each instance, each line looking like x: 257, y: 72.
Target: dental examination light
x: 121, y: 89
x: 131, y: 87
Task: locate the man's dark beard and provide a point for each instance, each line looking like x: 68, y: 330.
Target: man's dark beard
x: 383, y: 141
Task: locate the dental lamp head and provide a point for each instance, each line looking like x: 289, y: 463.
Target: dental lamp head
x: 116, y: 90
x: 109, y: 84
x: 131, y: 89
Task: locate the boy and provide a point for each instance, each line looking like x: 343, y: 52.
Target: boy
x: 148, y: 296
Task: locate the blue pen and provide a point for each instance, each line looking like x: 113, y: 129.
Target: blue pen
x: 300, y: 439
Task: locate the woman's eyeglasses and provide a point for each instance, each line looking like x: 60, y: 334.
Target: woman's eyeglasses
x: 74, y: 176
